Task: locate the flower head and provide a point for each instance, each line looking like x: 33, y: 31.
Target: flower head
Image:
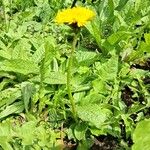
x: 76, y: 15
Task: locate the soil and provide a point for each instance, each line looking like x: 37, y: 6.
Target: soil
x: 100, y: 143
x: 127, y: 96
x: 105, y: 143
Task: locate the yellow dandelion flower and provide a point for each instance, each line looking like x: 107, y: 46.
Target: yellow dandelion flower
x: 76, y: 15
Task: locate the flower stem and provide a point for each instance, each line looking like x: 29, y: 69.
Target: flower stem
x: 70, y: 60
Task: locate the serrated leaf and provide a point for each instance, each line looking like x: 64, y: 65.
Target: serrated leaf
x: 14, y: 108
x: 9, y: 95
x: 86, y: 58
x: 94, y: 29
x: 19, y: 66
x: 6, y: 135
x: 108, y: 70
x: 26, y: 132
x: 49, y: 54
x: 94, y: 114
x: 22, y: 50
x: 55, y: 78
x: 118, y: 36
x: 122, y: 3
x: 27, y: 90
x: 39, y: 54
x: 52, y: 78
x: 5, y: 54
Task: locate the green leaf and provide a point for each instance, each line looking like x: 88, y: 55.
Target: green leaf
x: 27, y: 132
x: 5, y: 129
x: 19, y: 66
x: 108, y: 70
x: 39, y: 54
x: 27, y: 90
x: 147, y: 38
x: 94, y: 28
x: 22, y: 50
x: 86, y: 58
x: 111, y: 7
x: 6, y: 135
x: 137, y: 5
x: 5, y: 54
x: 55, y: 78
x: 80, y: 130
x: 2, y: 45
x: 4, y: 144
x: 118, y: 36
x: 94, y: 114
x: 49, y: 54
x: 52, y: 78
x: 141, y: 135
x: 16, y: 107
x: 122, y: 3
x: 9, y: 95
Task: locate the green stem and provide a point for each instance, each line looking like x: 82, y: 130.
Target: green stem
x: 70, y: 60
x: 5, y: 15
x: 41, y: 87
x: 10, y: 8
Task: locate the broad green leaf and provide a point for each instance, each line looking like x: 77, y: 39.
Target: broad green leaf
x: 95, y: 30
x: 52, y: 78
x: 6, y: 135
x: 5, y: 129
x: 9, y: 95
x: 141, y: 135
x: 93, y: 98
x: 108, y: 70
x: 55, y: 78
x: 94, y: 114
x: 39, y: 54
x: 80, y: 130
x: 22, y: 50
x: 4, y: 143
x: 49, y: 54
x: 27, y: 90
x: 47, y: 137
x: 101, y: 86
x: 122, y: 4
x: 118, y: 36
x: 27, y: 132
x: 43, y: 136
x: 120, y: 22
x: 111, y: 8
x: 5, y: 54
x: 19, y: 66
x: 86, y: 58
x: 16, y: 107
